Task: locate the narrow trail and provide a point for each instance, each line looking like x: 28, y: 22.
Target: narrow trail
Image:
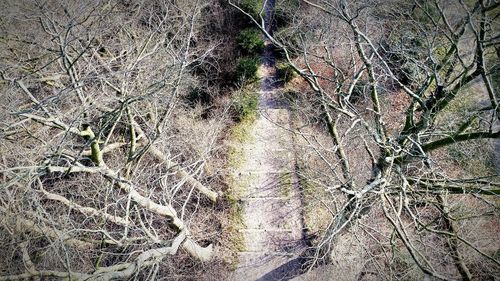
x: 272, y: 202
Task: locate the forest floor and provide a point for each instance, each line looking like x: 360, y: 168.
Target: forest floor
x: 271, y: 201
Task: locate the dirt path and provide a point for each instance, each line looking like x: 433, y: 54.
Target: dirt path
x: 271, y: 203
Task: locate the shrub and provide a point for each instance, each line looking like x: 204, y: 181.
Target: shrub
x: 250, y: 41
x: 247, y: 68
x: 253, y: 7
x: 285, y: 72
x: 245, y: 106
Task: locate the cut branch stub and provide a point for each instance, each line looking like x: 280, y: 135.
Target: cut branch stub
x: 96, y: 153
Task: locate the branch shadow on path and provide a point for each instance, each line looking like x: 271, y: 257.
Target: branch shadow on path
x: 287, y: 271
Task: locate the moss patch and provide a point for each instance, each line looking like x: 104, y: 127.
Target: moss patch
x: 239, y: 135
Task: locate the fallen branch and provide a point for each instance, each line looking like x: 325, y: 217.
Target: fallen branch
x: 179, y: 172
x: 198, y: 252
x: 147, y: 258
x: 84, y: 210
x: 22, y: 225
x: 116, y: 272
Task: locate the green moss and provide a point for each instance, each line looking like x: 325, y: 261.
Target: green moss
x: 236, y: 223
x: 440, y: 52
x: 238, y: 183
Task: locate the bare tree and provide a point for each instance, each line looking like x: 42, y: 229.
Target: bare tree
x: 382, y: 173
x: 98, y: 180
